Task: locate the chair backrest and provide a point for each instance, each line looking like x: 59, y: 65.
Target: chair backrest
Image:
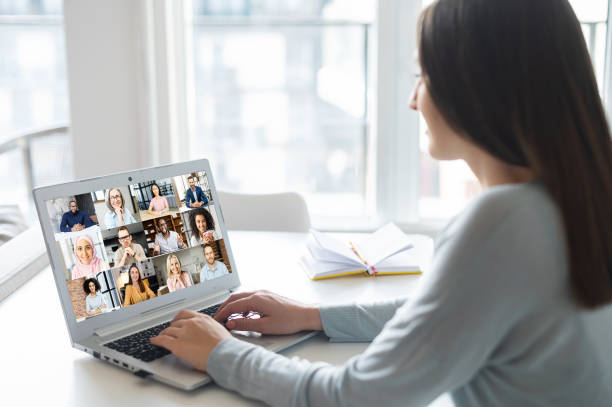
x: 283, y: 212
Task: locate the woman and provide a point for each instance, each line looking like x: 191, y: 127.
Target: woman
x: 159, y: 204
x: 118, y: 214
x: 202, y: 226
x: 177, y: 278
x: 136, y: 291
x: 212, y: 268
x: 87, y: 262
x: 508, y: 87
x: 94, y: 302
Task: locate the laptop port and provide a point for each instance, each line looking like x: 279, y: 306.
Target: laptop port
x: 142, y: 374
x: 125, y: 365
x: 96, y: 355
x: 116, y: 361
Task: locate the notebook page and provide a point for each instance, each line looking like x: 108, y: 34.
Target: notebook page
x: 383, y: 243
x: 337, y: 251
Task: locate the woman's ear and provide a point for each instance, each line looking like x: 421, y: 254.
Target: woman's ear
x: 413, y: 98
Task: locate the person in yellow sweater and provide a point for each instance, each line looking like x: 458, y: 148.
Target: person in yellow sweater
x: 136, y: 291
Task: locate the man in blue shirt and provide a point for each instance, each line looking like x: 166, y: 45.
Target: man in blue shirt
x: 74, y: 220
x: 194, y: 194
x: 212, y: 268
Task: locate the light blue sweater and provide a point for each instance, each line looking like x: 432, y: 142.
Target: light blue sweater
x: 492, y: 323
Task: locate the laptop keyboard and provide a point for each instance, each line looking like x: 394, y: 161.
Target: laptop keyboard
x: 138, y: 345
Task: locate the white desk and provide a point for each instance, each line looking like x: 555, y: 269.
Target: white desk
x: 39, y: 367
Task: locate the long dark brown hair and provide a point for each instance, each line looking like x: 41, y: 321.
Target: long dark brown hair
x: 140, y: 283
x: 514, y: 76
x: 210, y: 222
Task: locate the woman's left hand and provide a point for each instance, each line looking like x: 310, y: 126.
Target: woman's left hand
x: 191, y: 337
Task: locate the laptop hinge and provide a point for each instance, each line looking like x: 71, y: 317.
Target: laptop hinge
x: 157, y: 313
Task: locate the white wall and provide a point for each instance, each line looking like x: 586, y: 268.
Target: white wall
x: 106, y: 85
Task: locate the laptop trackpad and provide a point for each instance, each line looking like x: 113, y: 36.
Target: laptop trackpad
x: 273, y: 342
x: 174, y: 371
x: 180, y: 374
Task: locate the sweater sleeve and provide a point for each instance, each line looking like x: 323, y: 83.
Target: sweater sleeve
x: 149, y: 292
x: 432, y: 344
x: 64, y: 223
x: 87, y: 222
x: 128, y: 296
x: 88, y: 304
x: 357, y: 322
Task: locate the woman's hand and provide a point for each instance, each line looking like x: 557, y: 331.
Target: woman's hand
x: 119, y: 212
x: 191, y: 337
x: 208, y: 237
x: 181, y: 243
x: 277, y: 314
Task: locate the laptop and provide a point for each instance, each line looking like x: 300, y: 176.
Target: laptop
x: 130, y: 250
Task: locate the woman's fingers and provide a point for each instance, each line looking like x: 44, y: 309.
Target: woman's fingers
x: 248, y: 324
x: 240, y: 306
x: 233, y: 298
x: 172, y: 331
x: 184, y: 314
x: 179, y: 323
x: 165, y: 341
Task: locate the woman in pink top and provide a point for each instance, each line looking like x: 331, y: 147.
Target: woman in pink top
x: 177, y: 278
x: 158, y: 204
x: 87, y: 264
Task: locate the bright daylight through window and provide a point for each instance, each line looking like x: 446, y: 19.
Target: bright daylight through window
x: 283, y: 96
x: 33, y: 95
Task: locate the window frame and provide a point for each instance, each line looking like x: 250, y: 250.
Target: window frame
x: 392, y: 182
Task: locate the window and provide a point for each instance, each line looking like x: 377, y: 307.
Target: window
x: 306, y: 95
x: 281, y: 98
x: 33, y: 95
x: 33, y: 87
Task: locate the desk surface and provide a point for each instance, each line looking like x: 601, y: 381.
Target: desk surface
x: 39, y: 365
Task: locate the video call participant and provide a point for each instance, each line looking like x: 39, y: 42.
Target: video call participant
x: 177, y: 278
x: 129, y: 252
x: 87, y: 262
x: 202, y: 226
x: 118, y: 214
x: 136, y: 291
x: 212, y: 268
x: 167, y: 241
x: 159, y: 204
x: 194, y: 194
x: 74, y: 220
x: 94, y: 302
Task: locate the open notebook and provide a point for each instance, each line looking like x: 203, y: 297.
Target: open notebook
x: 386, y: 251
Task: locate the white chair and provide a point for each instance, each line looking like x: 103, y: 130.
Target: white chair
x: 283, y: 212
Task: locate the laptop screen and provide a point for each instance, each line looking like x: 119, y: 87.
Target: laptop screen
x: 130, y: 243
